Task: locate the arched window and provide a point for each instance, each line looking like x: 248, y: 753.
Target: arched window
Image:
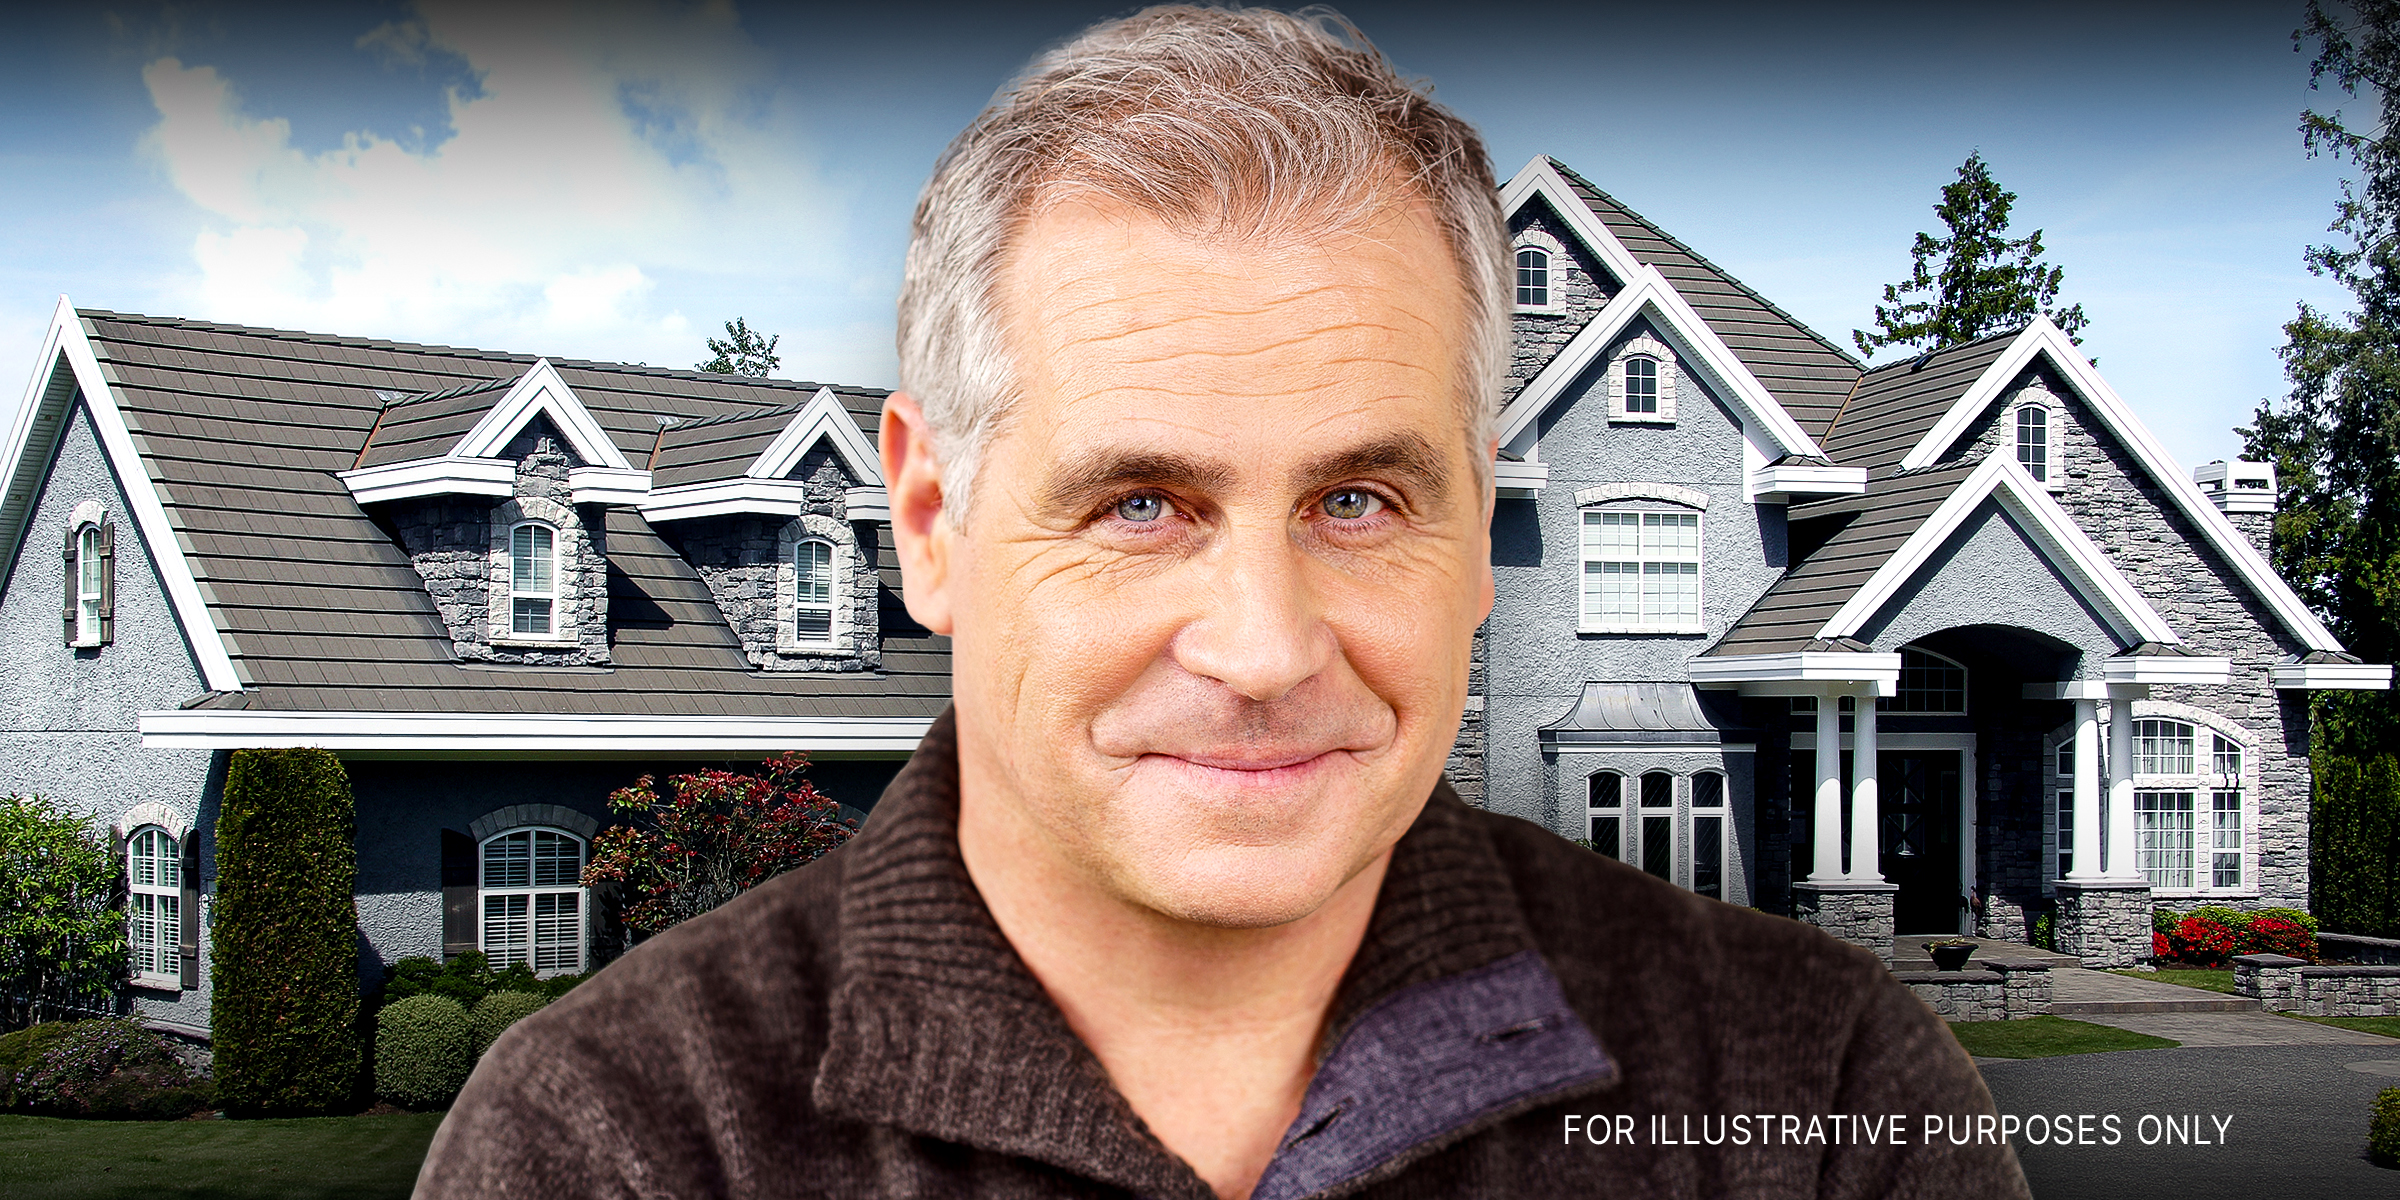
x: 1606, y: 792
x: 1929, y: 683
x: 1533, y: 277
x: 2033, y: 441
x: 154, y: 906
x: 533, y: 579
x: 2180, y: 843
x: 1658, y: 824
x: 1708, y: 834
x: 532, y: 901
x: 89, y: 566
x: 812, y: 576
x: 1641, y: 385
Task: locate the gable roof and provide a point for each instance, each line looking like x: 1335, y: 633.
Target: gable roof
x: 242, y: 433
x: 1806, y: 374
x: 1897, y: 404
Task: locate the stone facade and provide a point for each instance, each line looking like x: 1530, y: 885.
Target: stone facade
x: 747, y: 563
x: 459, y: 545
x: 1860, y: 914
x: 2105, y: 925
x: 1999, y: 991
x: 2282, y: 984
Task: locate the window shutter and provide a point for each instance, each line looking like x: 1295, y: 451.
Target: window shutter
x: 459, y: 924
x: 190, y: 948
x: 108, y: 582
x: 68, y: 558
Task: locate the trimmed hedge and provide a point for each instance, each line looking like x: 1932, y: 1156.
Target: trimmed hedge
x: 112, y: 1069
x: 2383, y: 1129
x: 492, y: 1016
x: 424, y: 1050
x: 468, y: 978
x: 2354, y: 843
x: 284, y: 1016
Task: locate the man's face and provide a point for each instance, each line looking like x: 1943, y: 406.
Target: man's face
x: 1213, y: 600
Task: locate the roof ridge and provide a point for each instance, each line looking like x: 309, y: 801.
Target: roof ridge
x: 1925, y: 356
x: 1705, y: 261
x: 453, y: 391
x: 728, y: 418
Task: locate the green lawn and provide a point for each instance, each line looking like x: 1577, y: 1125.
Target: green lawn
x: 2048, y: 1037
x: 2205, y: 980
x: 310, y: 1158
x: 2383, y: 1026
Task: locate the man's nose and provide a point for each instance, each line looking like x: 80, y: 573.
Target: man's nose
x: 1260, y: 632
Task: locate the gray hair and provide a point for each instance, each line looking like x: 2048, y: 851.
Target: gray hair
x: 1225, y: 122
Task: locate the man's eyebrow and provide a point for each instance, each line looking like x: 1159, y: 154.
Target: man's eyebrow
x: 1404, y: 458
x: 1083, y: 480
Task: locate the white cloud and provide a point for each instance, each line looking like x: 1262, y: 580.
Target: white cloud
x: 605, y: 149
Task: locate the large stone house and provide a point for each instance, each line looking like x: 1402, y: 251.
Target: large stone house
x: 1942, y: 645
x: 1934, y: 647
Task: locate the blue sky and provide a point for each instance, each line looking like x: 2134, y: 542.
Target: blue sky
x: 615, y: 181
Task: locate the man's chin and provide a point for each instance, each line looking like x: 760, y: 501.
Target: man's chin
x: 1240, y: 886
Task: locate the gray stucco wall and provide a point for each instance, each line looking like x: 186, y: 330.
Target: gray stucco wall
x: 1989, y: 573
x: 69, y: 717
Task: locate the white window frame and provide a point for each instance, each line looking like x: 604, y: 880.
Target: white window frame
x: 1640, y: 815
x: 567, y: 599
x: 533, y: 892
x: 803, y: 603
x: 89, y: 586
x: 1591, y: 618
x: 1695, y: 818
x: 848, y: 565
x: 1545, y: 302
x: 520, y: 593
x: 2053, y: 413
x: 1555, y: 261
x: 1643, y: 346
x: 2215, y: 744
x: 1595, y: 812
x: 154, y: 907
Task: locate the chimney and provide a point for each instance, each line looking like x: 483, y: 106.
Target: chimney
x: 2245, y: 493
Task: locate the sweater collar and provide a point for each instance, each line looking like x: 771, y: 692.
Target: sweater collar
x: 938, y: 1028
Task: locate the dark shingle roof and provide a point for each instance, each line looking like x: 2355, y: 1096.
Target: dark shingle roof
x: 243, y: 431
x: 1872, y: 527
x: 1897, y: 404
x: 1809, y: 375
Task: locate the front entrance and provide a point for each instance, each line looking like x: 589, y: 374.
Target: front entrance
x: 1918, y: 793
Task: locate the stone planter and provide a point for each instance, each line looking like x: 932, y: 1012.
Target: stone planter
x: 1951, y: 958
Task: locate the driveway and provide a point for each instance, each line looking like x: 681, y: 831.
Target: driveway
x: 2297, y: 1120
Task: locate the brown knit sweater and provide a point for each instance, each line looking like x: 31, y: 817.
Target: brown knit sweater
x: 861, y: 1028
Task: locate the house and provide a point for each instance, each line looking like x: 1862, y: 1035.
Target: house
x: 1945, y: 645
x: 499, y: 587
x: 1936, y: 647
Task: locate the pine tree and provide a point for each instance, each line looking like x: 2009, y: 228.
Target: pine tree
x: 1973, y: 282
x: 2335, y: 440
x: 742, y: 351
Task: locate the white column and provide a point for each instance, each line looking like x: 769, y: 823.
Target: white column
x: 1826, y: 824
x: 1866, y: 813
x: 2086, y: 846
x: 2120, y: 789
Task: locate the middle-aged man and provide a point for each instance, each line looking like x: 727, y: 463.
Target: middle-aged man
x: 1200, y: 338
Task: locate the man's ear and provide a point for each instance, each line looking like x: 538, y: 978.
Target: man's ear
x: 925, y: 539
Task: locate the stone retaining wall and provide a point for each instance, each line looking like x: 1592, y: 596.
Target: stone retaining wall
x: 1998, y: 991
x: 1857, y: 913
x: 2353, y: 948
x: 2290, y: 985
x: 2104, y: 924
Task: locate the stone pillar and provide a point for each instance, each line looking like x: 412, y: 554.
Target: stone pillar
x: 1852, y: 910
x: 2105, y: 923
x: 2121, y: 867
x: 2086, y: 846
x: 1825, y: 828
x: 1866, y: 814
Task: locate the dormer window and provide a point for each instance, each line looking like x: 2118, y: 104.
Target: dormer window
x: 1641, y: 385
x: 2033, y: 441
x: 812, y: 588
x: 1533, y: 277
x: 533, y: 579
x: 1641, y: 382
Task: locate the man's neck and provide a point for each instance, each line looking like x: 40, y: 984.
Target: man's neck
x: 1209, y: 1033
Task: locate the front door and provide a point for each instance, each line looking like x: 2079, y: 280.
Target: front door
x: 1918, y: 793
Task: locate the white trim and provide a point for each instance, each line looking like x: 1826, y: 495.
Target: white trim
x: 1777, y: 483
x: 823, y: 417
x: 151, y: 812
x: 2167, y: 669
x: 867, y: 504
x: 1603, y: 493
x: 540, y: 390
x: 726, y: 497
x: 1537, y: 241
x: 2057, y: 538
x: 531, y: 890
x: 66, y: 339
x: 607, y: 485
x: 222, y: 729
x: 445, y: 476
x: 1649, y: 293
x: 1540, y: 178
x: 2368, y: 677
x: 1519, y: 480
x: 1801, y: 666
x: 2042, y: 337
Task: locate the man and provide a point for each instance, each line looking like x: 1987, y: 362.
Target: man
x: 1199, y: 341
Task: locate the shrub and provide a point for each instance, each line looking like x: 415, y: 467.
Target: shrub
x: 2383, y: 1130
x: 718, y: 835
x: 110, y: 1068
x: 2160, y: 947
x: 497, y: 1012
x: 2295, y: 916
x: 19, y: 1052
x: 424, y: 1050
x: 62, y: 933
x: 2045, y: 931
x: 468, y: 979
x: 2201, y: 942
x: 2231, y: 918
x: 2162, y: 920
x: 285, y: 1010
x: 2274, y: 935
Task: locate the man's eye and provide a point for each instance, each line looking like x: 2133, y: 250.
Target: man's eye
x: 1141, y: 509
x: 1351, y: 504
